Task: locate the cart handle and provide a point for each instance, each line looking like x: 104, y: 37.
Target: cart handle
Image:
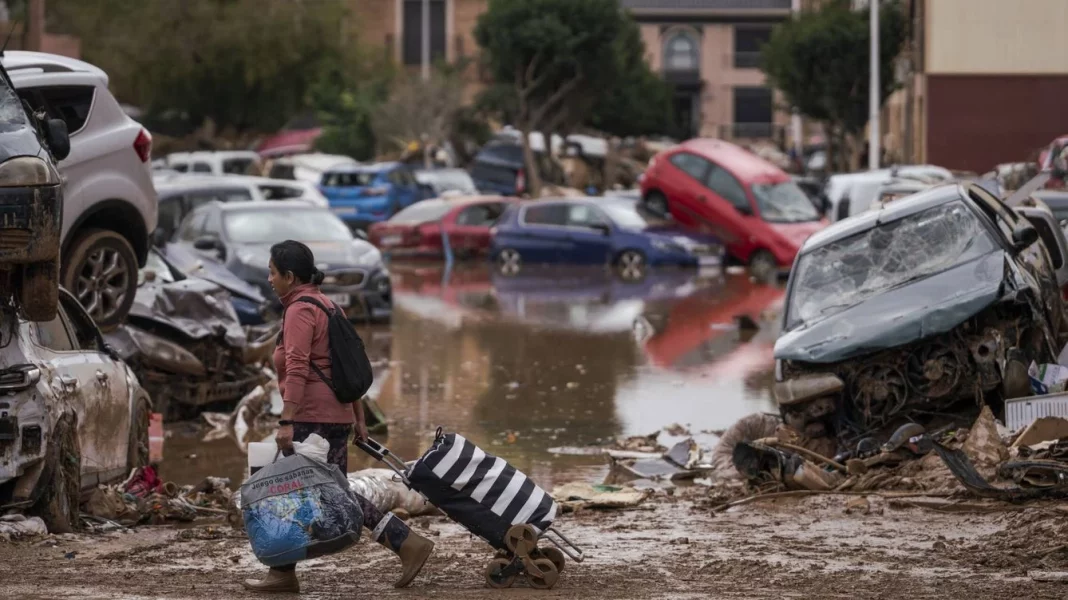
x: 372, y: 447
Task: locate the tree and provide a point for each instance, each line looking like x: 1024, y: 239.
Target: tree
x: 557, y: 55
x: 418, y: 111
x: 245, y: 65
x: 820, y: 63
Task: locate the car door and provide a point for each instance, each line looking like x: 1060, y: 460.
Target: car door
x: 589, y: 235
x: 543, y: 232
x: 469, y: 231
x: 95, y: 385
x: 729, y: 211
x: 406, y: 186
x: 683, y: 187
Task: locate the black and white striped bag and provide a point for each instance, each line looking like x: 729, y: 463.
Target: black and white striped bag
x: 480, y: 491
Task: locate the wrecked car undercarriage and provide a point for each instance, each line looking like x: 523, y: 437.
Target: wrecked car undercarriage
x: 901, y: 314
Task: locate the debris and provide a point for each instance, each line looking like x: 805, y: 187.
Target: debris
x: 761, y: 465
x: 1047, y: 378
x: 1045, y: 429
x: 859, y: 504
x: 984, y: 445
x: 578, y: 496
x: 685, y: 461
x: 747, y: 429
x: 902, y: 436
x: 677, y: 430
x: 598, y: 451
x: 16, y: 526
x: 1021, y: 412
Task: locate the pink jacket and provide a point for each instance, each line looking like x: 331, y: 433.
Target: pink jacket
x: 305, y: 339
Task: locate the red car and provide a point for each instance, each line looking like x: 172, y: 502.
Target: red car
x: 749, y: 203
x: 416, y: 231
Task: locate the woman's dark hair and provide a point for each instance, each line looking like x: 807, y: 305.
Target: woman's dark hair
x: 296, y: 258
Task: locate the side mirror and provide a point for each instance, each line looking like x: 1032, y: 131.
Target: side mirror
x: 206, y: 243
x: 1024, y: 236
x: 58, y: 138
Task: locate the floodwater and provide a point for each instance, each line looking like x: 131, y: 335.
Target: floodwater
x: 549, y: 359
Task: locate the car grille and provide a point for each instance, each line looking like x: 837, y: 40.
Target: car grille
x: 14, y: 239
x: 344, y: 278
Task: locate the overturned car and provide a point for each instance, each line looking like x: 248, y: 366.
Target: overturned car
x: 898, y: 314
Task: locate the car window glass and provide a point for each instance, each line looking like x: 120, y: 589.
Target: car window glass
x: 280, y: 192
x: 482, y: 215
x: 170, y: 214
x: 200, y: 167
x: 691, y: 164
x: 548, y: 214
x: 192, y: 226
x: 54, y: 335
x: 71, y: 103
x: 86, y: 335
x: 213, y: 224
x: 362, y: 178
x: 180, y: 167
x: 727, y: 187
x: 238, y: 166
x: 1002, y: 217
x: 582, y: 215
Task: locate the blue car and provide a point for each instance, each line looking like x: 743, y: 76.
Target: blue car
x: 366, y: 194
x: 601, y: 231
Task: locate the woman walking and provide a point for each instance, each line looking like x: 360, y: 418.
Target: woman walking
x: 311, y: 406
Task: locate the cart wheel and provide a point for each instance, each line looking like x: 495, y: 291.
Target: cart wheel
x: 556, y: 556
x: 549, y: 575
x: 522, y: 540
x: 494, y: 576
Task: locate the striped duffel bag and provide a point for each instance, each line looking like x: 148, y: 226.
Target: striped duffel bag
x: 480, y: 491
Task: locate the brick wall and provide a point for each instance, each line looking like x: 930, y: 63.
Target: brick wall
x: 374, y: 24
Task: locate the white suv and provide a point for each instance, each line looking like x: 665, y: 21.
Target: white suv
x: 109, y: 204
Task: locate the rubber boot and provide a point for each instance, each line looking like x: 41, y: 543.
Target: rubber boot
x: 276, y: 581
x: 412, y: 548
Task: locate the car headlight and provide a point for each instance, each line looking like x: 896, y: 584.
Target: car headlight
x: 27, y: 170
x: 166, y: 355
x: 665, y: 246
x: 370, y: 258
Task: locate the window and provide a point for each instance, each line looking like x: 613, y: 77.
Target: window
x: 282, y: 171
x: 724, y: 184
x: 238, y: 166
x: 413, y: 31
x: 193, y: 225
x: 402, y: 177
x: 170, y: 214
x: 81, y: 326
x: 747, y: 43
x: 181, y: 167
x: 480, y: 215
x: 54, y: 335
x: 583, y: 215
x: 752, y: 105
x: 202, y: 197
x: 680, y: 52
x: 200, y: 167
x: 70, y: 103
x: 280, y: 192
x: 546, y: 214
x: 356, y: 179
x: 691, y: 164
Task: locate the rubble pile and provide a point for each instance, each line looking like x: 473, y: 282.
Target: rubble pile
x: 145, y: 499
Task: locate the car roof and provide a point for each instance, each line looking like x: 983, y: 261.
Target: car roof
x: 368, y: 168
x: 23, y: 60
x: 892, y: 211
x: 266, y: 205
x: 739, y: 161
x: 190, y: 183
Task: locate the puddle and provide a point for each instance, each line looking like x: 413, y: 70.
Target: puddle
x: 550, y: 359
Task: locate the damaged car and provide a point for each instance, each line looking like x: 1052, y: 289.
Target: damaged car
x: 187, y: 346
x: 72, y: 414
x: 940, y: 298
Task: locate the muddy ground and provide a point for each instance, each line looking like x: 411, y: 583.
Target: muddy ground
x: 668, y: 548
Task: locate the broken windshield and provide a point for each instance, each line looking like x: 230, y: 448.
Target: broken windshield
x: 847, y: 272
x: 784, y: 203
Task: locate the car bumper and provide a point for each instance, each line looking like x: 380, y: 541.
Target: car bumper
x: 414, y: 252
x: 370, y: 301
x: 362, y: 212
x: 31, y: 219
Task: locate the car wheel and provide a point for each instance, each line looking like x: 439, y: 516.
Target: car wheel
x: 657, y: 204
x: 58, y: 504
x: 101, y: 272
x: 509, y: 262
x: 140, y: 421
x: 762, y: 265
x: 631, y: 265
x: 39, y: 295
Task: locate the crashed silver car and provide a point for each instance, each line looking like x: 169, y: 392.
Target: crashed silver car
x: 72, y: 414
x: 940, y: 297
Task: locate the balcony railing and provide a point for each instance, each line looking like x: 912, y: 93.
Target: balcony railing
x: 747, y: 60
x: 750, y: 131
x: 683, y: 77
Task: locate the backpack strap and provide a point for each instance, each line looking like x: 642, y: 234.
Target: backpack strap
x: 318, y: 371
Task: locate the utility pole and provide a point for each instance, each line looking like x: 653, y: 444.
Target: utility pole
x: 426, y: 40
x: 874, y: 126
x: 796, y: 129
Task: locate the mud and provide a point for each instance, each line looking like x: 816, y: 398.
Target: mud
x: 669, y: 548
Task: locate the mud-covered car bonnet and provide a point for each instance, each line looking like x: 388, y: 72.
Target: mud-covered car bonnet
x: 926, y: 307
x: 196, y: 307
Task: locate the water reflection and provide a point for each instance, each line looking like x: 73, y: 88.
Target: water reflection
x: 561, y: 358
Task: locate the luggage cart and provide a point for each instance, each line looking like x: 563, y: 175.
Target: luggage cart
x: 449, y: 489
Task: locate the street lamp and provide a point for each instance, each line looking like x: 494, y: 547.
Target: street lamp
x: 874, y: 127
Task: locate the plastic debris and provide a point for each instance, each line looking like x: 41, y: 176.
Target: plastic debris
x: 16, y: 527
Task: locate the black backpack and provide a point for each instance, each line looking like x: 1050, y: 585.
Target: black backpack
x: 348, y: 358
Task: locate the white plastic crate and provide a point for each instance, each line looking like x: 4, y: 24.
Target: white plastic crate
x: 1021, y: 412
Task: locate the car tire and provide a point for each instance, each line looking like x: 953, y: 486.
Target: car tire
x: 138, y: 453
x: 101, y: 266
x: 509, y: 262
x: 762, y: 265
x: 58, y: 505
x: 631, y: 265
x: 657, y: 204
x: 39, y: 292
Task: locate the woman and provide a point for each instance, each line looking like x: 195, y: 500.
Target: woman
x: 311, y: 407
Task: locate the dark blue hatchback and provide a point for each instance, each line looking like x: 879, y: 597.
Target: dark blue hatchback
x: 600, y: 231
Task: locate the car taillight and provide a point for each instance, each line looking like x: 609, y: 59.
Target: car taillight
x: 520, y: 182
x: 143, y: 145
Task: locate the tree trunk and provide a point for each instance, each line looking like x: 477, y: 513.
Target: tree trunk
x: 533, y: 186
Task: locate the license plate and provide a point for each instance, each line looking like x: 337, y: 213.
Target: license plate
x: 391, y: 240
x: 342, y: 300
x: 344, y: 210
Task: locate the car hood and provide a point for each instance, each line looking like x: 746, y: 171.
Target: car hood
x: 797, y: 233
x: 914, y: 311
x: 195, y: 307
x: 328, y: 255
x: 191, y: 264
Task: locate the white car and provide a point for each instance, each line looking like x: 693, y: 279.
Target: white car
x: 73, y: 414
x: 109, y: 201
x: 307, y: 167
x: 219, y: 162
